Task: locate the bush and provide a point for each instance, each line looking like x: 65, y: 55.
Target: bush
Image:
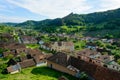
x: 3, y: 68
x: 83, y: 76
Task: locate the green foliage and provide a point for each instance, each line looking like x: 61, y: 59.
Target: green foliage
x: 10, y: 56
x: 116, y: 54
x: 3, y: 67
x: 100, y: 44
x: 22, y: 54
x: 113, y: 24
x: 80, y: 45
x: 6, y: 29
x: 83, y: 76
x: 1, y: 50
x: 71, y: 29
x: 33, y: 46
x: 118, y: 61
x: 53, y: 38
x: 109, y: 46
x: 108, y: 36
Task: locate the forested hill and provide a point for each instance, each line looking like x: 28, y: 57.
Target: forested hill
x: 94, y: 21
x: 97, y: 17
x: 111, y: 16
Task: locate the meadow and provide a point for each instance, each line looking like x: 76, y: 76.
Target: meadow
x: 36, y: 73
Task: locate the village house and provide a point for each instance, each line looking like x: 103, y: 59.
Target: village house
x: 86, y: 54
x: 13, y: 49
x: 102, y: 60
x: 46, y: 46
x: 91, y: 45
x: 89, y: 39
x: 108, y: 40
x: 7, y: 53
x: 74, y: 66
x: 62, y: 35
x: 19, y: 50
x: 13, y: 46
x: 104, y: 40
x: 94, y: 57
x: 41, y: 42
x: 63, y: 46
x: 14, y: 68
x: 113, y: 65
x: 27, y: 63
x: 25, y: 57
x: 28, y: 39
x: 6, y: 38
x: 38, y: 57
x: 101, y: 50
x: 59, y: 46
x: 61, y: 62
x: 35, y: 54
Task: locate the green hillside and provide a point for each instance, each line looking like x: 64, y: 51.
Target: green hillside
x: 86, y: 23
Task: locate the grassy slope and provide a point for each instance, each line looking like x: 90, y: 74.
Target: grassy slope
x: 36, y: 73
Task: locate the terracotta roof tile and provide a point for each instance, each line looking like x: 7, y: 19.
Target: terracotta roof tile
x: 27, y: 63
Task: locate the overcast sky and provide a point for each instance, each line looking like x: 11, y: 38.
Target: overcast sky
x: 22, y: 10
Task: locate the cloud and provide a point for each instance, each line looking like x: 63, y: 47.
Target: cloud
x: 108, y: 5
x: 4, y: 18
x: 21, y: 10
x: 53, y: 8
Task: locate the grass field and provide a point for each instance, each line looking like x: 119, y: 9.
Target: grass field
x: 2, y: 60
x: 33, y: 46
x: 36, y: 73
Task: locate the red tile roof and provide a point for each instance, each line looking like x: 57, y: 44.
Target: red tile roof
x: 27, y: 63
x: 59, y: 58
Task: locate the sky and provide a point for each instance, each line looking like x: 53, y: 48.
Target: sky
x: 22, y: 10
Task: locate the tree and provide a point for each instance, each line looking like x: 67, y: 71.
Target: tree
x: 100, y: 43
x: 10, y: 56
x: 117, y: 56
x: 22, y: 54
x: 118, y: 61
x: 1, y: 50
x: 108, y: 36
